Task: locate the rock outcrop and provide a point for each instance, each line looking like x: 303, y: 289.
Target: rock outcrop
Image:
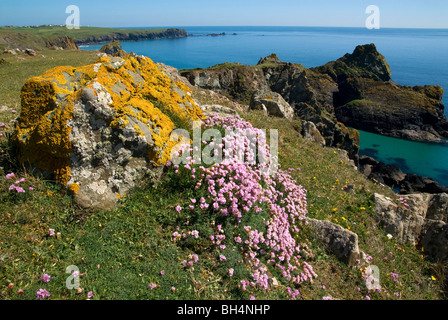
x: 368, y: 99
x: 273, y: 104
x: 341, y: 242
x: 101, y: 129
x: 311, y: 133
x: 113, y: 49
x: 65, y: 43
x: 413, y: 183
x: 393, y: 177
x: 417, y: 219
x: 389, y: 175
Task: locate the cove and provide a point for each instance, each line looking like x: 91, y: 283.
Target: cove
x: 425, y: 159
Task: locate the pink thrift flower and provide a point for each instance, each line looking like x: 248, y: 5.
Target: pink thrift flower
x: 222, y: 258
x: 20, y: 190
x: 178, y: 208
x: 90, y: 295
x: 45, y: 278
x: 51, y: 232
x: 10, y: 176
x: 42, y: 294
x: 195, y: 234
x: 152, y: 286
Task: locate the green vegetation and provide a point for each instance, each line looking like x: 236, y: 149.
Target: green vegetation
x: 122, y: 252
x: 362, y: 104
x: 18, y: 69
x: 225, y: 65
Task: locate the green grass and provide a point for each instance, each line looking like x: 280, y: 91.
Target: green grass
x: 18, y: 69
x: 121, y: 252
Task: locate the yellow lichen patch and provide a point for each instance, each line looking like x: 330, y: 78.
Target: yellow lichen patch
x: 74, y: 187
x: 42, y: 134
x: 138, y: 131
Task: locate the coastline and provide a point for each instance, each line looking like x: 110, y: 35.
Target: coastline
x: 41, y: 37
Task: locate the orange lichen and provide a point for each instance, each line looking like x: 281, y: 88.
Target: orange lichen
x: 134, y: 83
x: 74, y: 187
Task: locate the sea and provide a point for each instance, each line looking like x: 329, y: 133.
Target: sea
x: 416, y: 57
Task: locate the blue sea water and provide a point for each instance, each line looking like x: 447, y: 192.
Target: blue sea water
x: 416, y: 57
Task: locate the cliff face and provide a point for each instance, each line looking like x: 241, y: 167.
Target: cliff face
x: 355, y: 90
x: 63, y: 42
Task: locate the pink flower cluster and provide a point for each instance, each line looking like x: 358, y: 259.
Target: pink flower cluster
x: 394, y: 276
x: 15, y: 186
x: 193, y: 259
x: 237, y: 188
x: 42, y: 294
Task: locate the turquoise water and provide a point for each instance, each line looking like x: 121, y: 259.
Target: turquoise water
x: 416, y: 57
x: 424, y: 159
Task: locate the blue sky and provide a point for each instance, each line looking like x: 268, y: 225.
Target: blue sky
x: 151, y: 13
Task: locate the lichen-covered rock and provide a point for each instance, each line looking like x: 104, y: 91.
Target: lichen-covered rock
x: 100, y: 129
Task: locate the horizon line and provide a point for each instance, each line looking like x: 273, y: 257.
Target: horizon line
x: 227, y: 26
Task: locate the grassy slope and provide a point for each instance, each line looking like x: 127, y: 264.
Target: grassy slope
x: 20, y: 68
x: 37, y: 37
x: 122, y: 251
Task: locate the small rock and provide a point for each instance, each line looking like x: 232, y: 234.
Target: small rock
x: 221, y: 110
x: 31, y: 52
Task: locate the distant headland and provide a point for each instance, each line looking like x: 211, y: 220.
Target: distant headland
x: 47, y: 36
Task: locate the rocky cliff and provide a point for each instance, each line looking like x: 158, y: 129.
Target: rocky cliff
x: 368, y: 99
x: 103, y: 128
x: 355, y: 91
x: 309, y: 93
x: 62, y: 42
